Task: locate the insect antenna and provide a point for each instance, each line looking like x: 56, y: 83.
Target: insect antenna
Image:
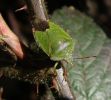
x: 86, y: 57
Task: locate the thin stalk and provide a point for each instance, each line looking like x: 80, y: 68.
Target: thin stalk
x: 38, y: 14
x: 64, y: 85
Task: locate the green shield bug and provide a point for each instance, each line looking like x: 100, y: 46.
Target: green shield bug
x: 55, y: 42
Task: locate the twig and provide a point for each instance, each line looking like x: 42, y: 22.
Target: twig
x: 36, y: 7
x: 37, y: 14
x: 22, y: 8
x: 64, y: 85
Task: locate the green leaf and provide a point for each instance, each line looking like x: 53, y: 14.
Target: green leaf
x: 55, y: 42
x: 90, y: 78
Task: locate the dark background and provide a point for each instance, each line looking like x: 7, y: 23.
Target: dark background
x: 99, y: 10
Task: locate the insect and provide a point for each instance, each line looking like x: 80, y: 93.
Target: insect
x: 55, y: 42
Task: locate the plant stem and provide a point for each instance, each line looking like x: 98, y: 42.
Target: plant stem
x: 37, y: 13
x: 64, y: 85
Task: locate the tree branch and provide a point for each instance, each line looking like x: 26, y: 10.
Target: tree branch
x: 38, y: 15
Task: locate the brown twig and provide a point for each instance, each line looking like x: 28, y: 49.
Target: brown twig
x: 37, y: 14
x: 64, y: 85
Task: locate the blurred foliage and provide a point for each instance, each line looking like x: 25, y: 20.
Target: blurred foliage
x: 89, y: 77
